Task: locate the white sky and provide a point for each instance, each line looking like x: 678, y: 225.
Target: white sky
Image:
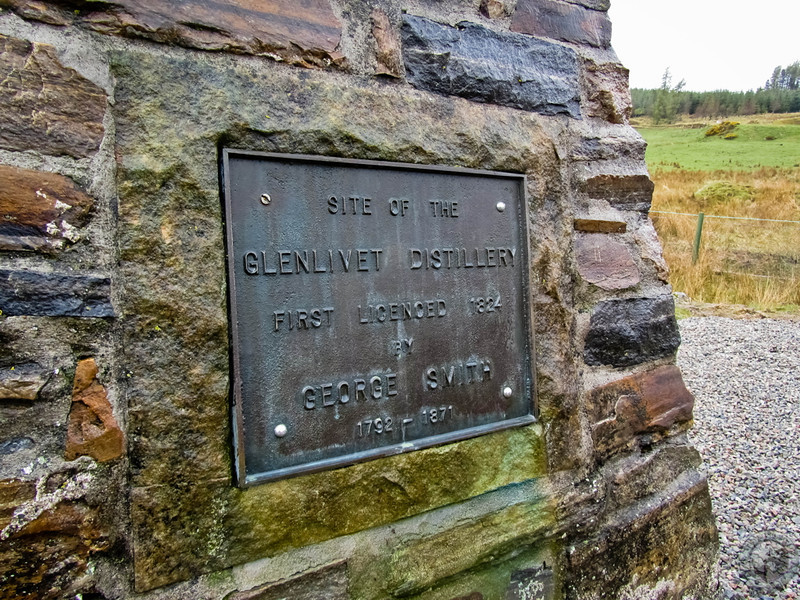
x: 712, y: 44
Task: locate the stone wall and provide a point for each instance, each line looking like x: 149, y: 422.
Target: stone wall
x: 116, y: 459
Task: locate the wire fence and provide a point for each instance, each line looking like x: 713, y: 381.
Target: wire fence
x: 706, y: 252
x: 666, y: 212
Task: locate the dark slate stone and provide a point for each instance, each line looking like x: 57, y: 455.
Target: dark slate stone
x: 15, y: 445
x: 54, y: 295
x: 629, y: 332
x: 501, y: 68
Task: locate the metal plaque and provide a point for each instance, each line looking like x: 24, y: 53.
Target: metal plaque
x: 376, y: 308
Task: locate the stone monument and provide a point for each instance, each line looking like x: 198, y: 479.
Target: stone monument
x: 334, y: 299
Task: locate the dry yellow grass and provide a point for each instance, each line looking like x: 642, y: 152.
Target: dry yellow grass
x: 750, y: 262
x: 684, y: 120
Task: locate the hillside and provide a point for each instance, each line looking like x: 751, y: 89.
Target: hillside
x: 760, y: 141
x: 748, y: 186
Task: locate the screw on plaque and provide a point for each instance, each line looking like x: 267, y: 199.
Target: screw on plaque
x: 265, y: 199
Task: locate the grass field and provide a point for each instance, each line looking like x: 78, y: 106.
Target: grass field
x: 759, y: 143
x: 745, y: 260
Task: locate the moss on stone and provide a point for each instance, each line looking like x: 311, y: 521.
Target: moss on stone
x: 489, y: 579
x: 180, y: 529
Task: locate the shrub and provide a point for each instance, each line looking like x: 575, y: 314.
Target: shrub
x: 731, y: 136
x: 721, y: 128
x: 718, y: 192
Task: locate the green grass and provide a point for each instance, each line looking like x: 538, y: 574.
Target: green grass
x: 746, y: 261
x: 682, y: 147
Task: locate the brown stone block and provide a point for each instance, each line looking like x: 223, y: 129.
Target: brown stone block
x: 387, y: 41
x: 638, y: 476
x: 650, y: 247
x: 46, y: 106
x: 650, y: 402
x: 43, y: 557
x: 561, y: 21
x: 608, y: 92
x: 606, y: 263
x: 600, y: 226
x: 92, y: 429
x: 36, y: 10
x: 23, y: 381
x: 66, y: 517
x: 179, y: 427
x: 39, y: 211
x: 497, y: 9
x: 305, y: 33
x: 630, y: 192
x: 13, y: 493
x: 178, y: 533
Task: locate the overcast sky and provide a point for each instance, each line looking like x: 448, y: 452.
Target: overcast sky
x: 712, y: 44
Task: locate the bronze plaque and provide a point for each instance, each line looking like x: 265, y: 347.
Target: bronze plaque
x: 376, y: 308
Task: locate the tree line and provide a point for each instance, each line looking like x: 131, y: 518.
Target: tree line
x: 780, y: 94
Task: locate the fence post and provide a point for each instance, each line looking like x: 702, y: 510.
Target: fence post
x: 697, y: 235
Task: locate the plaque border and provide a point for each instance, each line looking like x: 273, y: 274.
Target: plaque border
x: 235, y: 396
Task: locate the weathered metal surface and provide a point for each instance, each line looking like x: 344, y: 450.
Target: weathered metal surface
x: 376, y: 308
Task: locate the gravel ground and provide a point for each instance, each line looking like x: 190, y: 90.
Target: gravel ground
x: 745, y: 375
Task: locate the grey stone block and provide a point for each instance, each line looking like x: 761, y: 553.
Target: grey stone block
x: 476, y: 63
